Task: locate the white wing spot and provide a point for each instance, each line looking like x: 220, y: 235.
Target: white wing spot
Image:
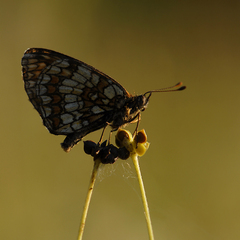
x: 95, y: 79
x: 89, y: 84
x: 64, y: 89
x: 46, y: 99
x: 66, y: 118
x: 70, y: 98
x: 71, y: 107
x: 63, y: 64
x: 77, y: 115
x: 46, y: 56
x: 54, y: 70
x: 84, y: 72
x: 109, y: 92
x: 32, y: 60
x: 32, y: 67
x: 77, y: 91
x: 96, y: 110
x: 65, y: 129
x: 93, y: 96
x: 30, y: 75
x: 118, y: 90
x: 45, y: 79
x: 79, y: 78
x: 41, y: 90
x: 46, y: 111
x: 77, y: 125
x: 105, y: 101
x: 80, y: 104
x: 31, y: 84
x: 85, y: 123
x: 70, y: 83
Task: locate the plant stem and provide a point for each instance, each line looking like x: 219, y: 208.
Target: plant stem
x: 88, y: 198
x: 144, y: 198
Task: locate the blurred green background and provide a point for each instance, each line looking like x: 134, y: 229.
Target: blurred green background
x: 191, y: 170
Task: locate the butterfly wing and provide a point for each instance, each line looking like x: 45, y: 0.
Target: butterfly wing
x: 71, y: 97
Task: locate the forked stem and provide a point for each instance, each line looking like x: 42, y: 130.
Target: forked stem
x: 143, y: 194
x: 88, y: 198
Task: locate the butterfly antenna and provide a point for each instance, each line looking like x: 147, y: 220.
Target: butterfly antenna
x: 176, y: 87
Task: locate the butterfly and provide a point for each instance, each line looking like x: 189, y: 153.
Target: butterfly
x: 75, y: 99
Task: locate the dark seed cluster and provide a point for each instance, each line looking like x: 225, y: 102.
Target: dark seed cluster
x: 106, y: 153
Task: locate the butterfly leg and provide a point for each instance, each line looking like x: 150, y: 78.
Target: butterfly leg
x: 110, y: 134
x: 102, y: 134
x: 136, y: 129
x: 138, y: 116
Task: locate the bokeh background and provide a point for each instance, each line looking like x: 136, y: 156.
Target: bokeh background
x: 191, y: 171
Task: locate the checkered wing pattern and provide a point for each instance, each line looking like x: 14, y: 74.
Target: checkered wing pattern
x: 71, y: 97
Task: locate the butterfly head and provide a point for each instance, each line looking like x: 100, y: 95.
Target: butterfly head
x: 139, y: 103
